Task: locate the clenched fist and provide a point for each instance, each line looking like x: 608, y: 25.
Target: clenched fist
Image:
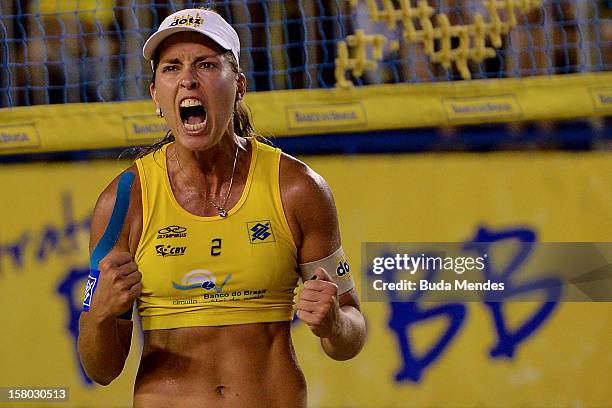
x: 118, y: 285
x: 317, y: 305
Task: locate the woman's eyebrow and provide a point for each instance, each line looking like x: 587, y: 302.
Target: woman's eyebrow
x: 197, y: 59
x: 170, y: 61
x: 205, y: 57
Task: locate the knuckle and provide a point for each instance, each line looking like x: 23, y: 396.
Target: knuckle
x: 111, y: 278
x: 105, y: 264
x: 123, y: 298
x: 306, y: 292
x: 331, y: 285
x: 119, y: 287
x: 314, y: 287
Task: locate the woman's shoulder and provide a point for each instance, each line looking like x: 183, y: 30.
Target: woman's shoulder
x: 108, y: 195
x: 303, y: 189
x: 126, y: 185
x: 295, y: 174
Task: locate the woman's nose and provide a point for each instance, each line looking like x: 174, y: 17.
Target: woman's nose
x: 189, y: 83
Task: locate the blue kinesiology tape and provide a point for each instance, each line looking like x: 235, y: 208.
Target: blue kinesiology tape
x: 110, y: 238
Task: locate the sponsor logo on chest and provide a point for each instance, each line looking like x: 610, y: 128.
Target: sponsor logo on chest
x: 172, y: 231
x: 260, y: 232
x: 169, y: 250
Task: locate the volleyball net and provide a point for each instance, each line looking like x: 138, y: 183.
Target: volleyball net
x: 312, y: 67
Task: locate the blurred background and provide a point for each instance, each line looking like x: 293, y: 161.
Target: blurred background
x: 432, y: 120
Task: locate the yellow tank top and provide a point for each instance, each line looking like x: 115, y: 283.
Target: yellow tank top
x: 213, y: 271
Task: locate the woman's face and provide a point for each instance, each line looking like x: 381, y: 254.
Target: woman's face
x: 196, y: 89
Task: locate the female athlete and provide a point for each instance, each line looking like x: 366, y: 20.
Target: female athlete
x: 217, y: 229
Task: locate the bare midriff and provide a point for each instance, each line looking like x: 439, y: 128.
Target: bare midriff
x: 243, y: 365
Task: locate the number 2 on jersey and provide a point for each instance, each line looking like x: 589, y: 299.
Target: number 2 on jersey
x: 215, y: 248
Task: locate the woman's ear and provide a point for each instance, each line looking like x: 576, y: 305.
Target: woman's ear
x: 153, y: 93
x: 158, y: 110
x: 240, y: 86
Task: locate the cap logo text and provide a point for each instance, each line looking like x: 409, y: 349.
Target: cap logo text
x: 187, y: 20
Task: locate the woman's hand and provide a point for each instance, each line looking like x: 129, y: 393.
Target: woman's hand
x: 118, y: 287
x: 318, y: 306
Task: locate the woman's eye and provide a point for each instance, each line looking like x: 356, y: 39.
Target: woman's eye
x: 169, y: 68
x: 206, y: 65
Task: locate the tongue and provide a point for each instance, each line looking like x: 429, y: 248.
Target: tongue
x: 194, y: 119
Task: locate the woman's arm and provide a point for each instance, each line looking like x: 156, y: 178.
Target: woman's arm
x: 311, y: 213
x: 104, y: 338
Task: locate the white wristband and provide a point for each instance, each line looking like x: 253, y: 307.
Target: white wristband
x: 336, y: 266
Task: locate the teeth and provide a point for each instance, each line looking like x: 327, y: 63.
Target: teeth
x: 190, y: 102
x: 199, y: 126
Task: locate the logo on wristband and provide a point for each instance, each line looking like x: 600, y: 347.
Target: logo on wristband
x: 342, y: 268
x: 90, y: 288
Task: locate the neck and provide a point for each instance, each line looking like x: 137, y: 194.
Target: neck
x: 211, y: 169
x: 213, y: 160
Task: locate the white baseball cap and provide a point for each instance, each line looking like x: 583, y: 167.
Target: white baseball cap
x: 201, y: 21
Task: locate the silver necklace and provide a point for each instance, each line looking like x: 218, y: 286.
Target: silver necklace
x: 220, y: 208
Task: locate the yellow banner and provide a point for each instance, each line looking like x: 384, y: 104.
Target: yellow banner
x: 320, y: 111
x: 417, y: 355
x: 23, y: 136
x: 481, y: 108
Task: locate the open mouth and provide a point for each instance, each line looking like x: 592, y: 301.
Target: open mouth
x: 193, y: 114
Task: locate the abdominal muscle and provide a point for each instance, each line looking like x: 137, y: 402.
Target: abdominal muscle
x: 250, y: 365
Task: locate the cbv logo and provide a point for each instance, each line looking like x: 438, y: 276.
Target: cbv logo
x: 169, y: 250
